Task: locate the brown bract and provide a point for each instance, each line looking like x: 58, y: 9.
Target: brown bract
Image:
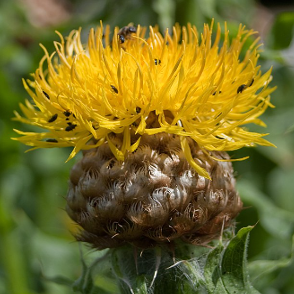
x: 153, y: 197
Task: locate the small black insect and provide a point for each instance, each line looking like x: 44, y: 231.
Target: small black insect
x: 251, y: 83
x: 53, y: 118
x: 70, y: 127
x: 138, y: 109
x: 125, y: 33
x: 46, y: 95
x: 157, y: 61
x: 114, y: 89
x: 51, y: 141
x: 67, y: 113
x: 215, y: 92
x: 241, y: 88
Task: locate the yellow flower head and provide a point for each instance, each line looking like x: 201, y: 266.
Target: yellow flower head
x: 184, y: 84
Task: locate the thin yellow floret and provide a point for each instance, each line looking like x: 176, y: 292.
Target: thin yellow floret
x: 188, y: 83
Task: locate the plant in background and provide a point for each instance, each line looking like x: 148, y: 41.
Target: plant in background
x: 155, y: 117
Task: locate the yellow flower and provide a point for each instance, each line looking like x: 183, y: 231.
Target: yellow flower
x: 184, y: 84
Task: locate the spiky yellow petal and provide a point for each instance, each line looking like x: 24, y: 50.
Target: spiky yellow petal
x: 184, y: 84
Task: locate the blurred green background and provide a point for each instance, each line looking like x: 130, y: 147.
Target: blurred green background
x: 35, y: 242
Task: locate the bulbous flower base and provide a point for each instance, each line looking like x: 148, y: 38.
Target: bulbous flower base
x: 153, y: 196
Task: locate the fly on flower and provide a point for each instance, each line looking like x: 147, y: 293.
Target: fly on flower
x: 126, y: 33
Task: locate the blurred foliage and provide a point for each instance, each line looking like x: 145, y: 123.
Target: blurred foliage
x: 36, y: 246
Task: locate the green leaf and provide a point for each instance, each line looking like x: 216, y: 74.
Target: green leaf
x: 235, y: 276
x: 226, y: 268
x: 212, y: 270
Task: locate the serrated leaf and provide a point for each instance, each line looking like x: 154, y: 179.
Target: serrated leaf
x: 226, y: 268
x: 234, y: 270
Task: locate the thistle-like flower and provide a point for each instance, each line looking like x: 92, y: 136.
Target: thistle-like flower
x: 155, y: 117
